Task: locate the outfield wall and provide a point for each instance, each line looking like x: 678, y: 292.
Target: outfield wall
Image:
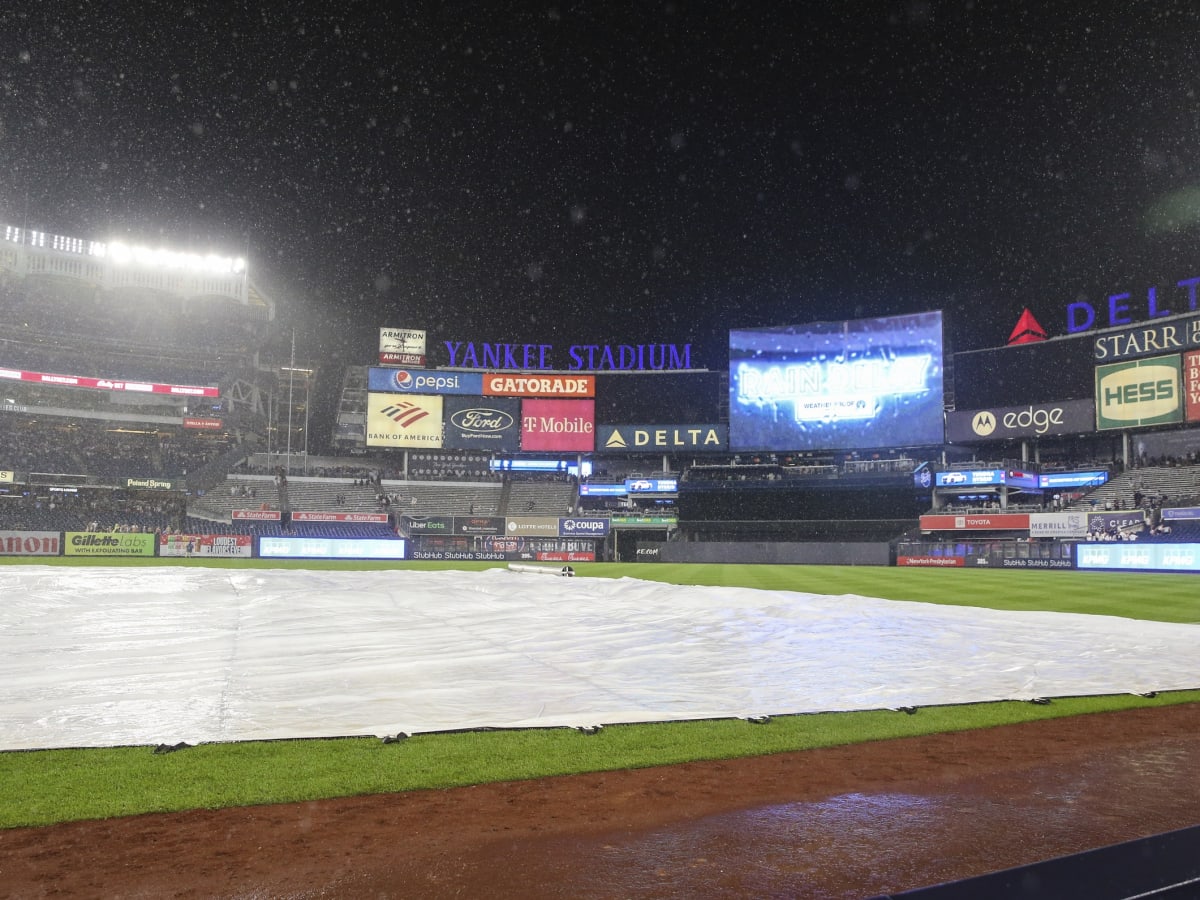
x: 786, y: 553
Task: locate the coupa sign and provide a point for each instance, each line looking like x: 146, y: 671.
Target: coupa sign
x: 582, y: 527
x: 1035, y: 420
x: 1140, y: 392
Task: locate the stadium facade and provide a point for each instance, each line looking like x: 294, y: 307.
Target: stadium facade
x: 143, y: 372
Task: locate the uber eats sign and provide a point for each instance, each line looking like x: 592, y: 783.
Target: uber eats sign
x: 1139, y: 392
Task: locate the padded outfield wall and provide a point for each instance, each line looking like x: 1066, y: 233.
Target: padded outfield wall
x: 784, y: 553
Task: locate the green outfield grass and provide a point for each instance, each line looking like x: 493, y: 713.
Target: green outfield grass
x: 49, y: 786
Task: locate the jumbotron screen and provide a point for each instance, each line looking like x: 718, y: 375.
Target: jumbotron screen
x: 857, y: 384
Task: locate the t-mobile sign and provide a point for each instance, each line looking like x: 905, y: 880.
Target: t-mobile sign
x: 558, y: 425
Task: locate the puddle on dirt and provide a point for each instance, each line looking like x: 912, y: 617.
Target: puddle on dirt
x: 862, y: 844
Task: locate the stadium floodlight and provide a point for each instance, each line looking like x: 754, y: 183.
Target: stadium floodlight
x: 123, y: 254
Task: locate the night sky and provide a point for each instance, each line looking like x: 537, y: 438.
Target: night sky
x: 612, y: 172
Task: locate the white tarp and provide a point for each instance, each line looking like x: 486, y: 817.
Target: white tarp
x: 110, y: 656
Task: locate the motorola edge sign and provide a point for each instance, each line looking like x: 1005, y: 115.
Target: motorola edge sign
x: 1002, y: 423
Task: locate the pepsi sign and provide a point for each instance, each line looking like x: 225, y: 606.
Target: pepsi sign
x: 423, y: 381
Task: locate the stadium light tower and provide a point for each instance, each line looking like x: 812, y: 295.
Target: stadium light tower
x: 291, y: 379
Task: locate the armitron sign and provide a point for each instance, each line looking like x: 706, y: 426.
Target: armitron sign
x: 401, y: 347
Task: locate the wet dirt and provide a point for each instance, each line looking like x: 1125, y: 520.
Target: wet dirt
x: 844, y: 822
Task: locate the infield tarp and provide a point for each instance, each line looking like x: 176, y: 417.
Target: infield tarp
x: 106, y: 657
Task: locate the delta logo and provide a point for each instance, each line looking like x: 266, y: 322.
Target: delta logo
x: 405, y: 414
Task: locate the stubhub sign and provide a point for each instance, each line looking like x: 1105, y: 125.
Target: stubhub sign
x: 424, y: 381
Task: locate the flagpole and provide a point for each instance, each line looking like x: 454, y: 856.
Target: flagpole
x: 291, y: 379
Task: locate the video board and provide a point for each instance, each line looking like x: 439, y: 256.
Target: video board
x: 1016, y: 376
x: 854, y: 384
x: 659, y: 398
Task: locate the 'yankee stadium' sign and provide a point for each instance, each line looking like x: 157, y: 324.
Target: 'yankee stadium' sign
x: 579, y: 357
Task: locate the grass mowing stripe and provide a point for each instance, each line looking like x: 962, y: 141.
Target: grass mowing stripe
x: 49, y: 786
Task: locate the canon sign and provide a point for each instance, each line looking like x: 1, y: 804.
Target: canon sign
x: 1035, y: 420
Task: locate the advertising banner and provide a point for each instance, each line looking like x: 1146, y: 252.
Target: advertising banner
x: 1060, y: 524
x: 427, y: 524
x: 202, y: 424
x: 30, y: 543
x: 468, y: 555
x: 412, y: 421
x: 531, y: 526
x: 483, y: 423
x: 1147, y: 338
x: 1115, y: 521
x: 330, y: 548
x: 109, y: 384
x: 224, y: 546
x: 563, y: 556
x: 1191, y: 385
x: 1093, y: 478
x: 969, y: 477
x: 602, y: 490
x: 88, y: 543
x: 422, y: 381
x: 573, y: 527
x: 256, y: 515
x: 1017, y: 562
x: 644, y: 521
x: 651, y: 485
x: 151, y: 484
x: 1182, y: 512
x: 1013, y: 422
x: 692, y: 438
x: 976, y: 522
x: 479, y: 525
x: 558, y: 425
x: 499, y: 384
x: 1165, y: 557
x: 7, y: 476
x: 1018, y: 478
x: 1139, y: 392
x: 401, y: 347
x: 326, y: 516
x: 931, y: 562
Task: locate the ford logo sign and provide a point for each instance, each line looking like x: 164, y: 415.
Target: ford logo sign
x: 482, y: 419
